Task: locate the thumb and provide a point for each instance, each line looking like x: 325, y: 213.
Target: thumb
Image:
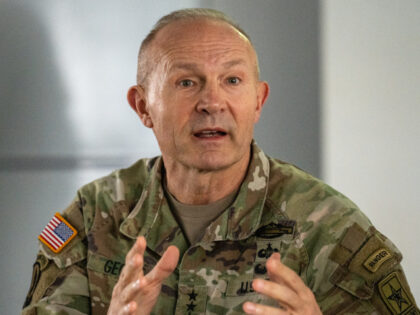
x: 165, y: 266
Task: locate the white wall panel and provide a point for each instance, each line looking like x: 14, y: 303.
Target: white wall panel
x: 371, y: 109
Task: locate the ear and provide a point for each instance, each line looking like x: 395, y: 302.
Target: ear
x: 136, y: 97
x: 263, y: 90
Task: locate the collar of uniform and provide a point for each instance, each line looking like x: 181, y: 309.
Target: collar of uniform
x: 244, y: 215
x: 151, y: 217
x: 238, y: 222
x: 145, y: 212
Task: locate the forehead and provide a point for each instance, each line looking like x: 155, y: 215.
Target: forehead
x: 202, y: 41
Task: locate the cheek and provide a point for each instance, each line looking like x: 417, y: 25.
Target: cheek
x: 170, y: 119
x: 181, y: 106
x: 246, y: 115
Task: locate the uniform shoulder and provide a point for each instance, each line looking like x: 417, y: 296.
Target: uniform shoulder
x: 348, y: 258
x: 305, y: 197
x: 121, y: 188
x: 132, y: 177
x: 111, y: 196
x: 322, y: 214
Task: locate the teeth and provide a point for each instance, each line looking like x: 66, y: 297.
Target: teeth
x: 209, y: 133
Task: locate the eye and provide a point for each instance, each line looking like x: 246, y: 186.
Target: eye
x: 186, y: 83
x: 234, y: 80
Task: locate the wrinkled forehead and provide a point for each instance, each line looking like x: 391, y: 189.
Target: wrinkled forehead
x: 201, y: 38
x: 197, y: 28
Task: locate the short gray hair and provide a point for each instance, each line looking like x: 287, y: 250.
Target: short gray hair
x: 143, y: 68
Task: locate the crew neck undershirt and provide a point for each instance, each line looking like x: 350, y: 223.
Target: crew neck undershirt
x: 194, y: 219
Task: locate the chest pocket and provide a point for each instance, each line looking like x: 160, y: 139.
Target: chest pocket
x: 230, y: 298
x: 224, y: 298
x: 103, y: 274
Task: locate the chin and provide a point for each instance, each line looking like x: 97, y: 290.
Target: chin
x: 211, y: 162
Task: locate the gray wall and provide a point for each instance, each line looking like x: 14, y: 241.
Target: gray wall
x: 286, y: 36
x: 64, y: 71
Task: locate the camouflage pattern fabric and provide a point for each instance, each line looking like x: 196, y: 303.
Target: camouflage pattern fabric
x: 320, y: 234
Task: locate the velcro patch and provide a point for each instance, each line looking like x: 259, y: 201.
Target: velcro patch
x: 352, y: 240
x: 191, y: 300
x: 373, y: 245
x: 273, y: 230
x: 395, y: 295
x: 240, y: 286
x: 376, y: 260
x: 57, y: 233
x: 104, y: 265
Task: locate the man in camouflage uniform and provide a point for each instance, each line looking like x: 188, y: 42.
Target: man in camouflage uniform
x: 213, y: 226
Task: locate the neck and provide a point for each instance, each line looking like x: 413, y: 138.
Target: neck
x: 193, y: 186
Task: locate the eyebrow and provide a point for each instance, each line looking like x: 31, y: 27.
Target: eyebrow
x: 233, y: 63
x: 185, y: 66
x: 193, y: 66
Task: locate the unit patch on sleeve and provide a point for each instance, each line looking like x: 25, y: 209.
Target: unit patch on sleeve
x: 57, y: 234
x: 394, y: 295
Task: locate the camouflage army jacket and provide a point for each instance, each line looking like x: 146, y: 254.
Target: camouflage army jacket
x: 320, y: 234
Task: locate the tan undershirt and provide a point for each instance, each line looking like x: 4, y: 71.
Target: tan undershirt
x: 194, y: 219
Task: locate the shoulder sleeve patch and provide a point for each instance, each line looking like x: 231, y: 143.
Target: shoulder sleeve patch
x: 57, y: 233
x: 376, y: 260
x: 36, y: 275
x: 395, y: 295
x: 43, y: 275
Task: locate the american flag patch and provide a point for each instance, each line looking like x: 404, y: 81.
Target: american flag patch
x: 57, y: 234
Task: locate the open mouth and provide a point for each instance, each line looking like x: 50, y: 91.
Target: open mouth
x: 209, y: 134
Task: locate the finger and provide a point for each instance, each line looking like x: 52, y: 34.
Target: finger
x: 279, y: 292
x: 127, y: 278
x: 138, y: 248
x: 130, y: 291
x: 280, y: 273
x: 253, y: 308
x: 165, y: 266
x: 133, y: 262
x: 129, y: 308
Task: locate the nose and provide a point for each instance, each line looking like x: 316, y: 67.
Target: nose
x: 211, y: 100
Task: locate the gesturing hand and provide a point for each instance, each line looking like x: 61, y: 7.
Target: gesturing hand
x: 136, y: 293
x: 284, y: 286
